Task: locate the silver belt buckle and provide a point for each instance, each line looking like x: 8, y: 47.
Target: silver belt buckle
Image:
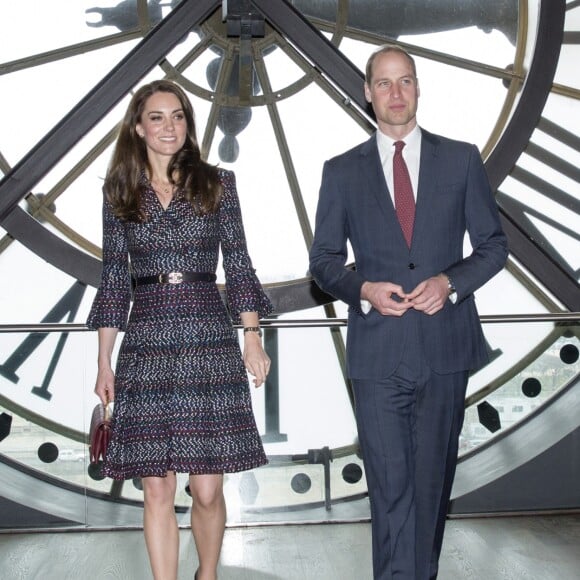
x: 174, y: 278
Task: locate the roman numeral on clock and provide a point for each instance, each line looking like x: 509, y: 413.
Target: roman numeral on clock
x: 67, y: 307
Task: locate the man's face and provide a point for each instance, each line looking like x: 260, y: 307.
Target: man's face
x: 393, y: 92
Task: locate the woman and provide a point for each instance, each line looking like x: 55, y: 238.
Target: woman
x: 182, y: 402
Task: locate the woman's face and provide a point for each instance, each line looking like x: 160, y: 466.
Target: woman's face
x: 163, y: 125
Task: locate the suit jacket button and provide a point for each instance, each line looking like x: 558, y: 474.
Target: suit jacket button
x: 411, y: 266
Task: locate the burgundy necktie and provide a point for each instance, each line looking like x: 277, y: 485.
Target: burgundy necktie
x: 404, y: 199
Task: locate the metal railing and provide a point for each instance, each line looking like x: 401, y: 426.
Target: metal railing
x: 307, y: 323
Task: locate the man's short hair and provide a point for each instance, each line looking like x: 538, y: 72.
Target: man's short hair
x: 384, y: 49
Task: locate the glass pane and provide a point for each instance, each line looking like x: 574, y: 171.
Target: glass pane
x: 570, y: 52
x: 273, y: 232
x: 57, y: 59
x: 31, y: 288
x: 477, y: 31
x: 57, y: 24
x: 46, y: 380
x: 54, y: 99
x: 532, y: 378
x: 282, y: 71
x: 543, y: 192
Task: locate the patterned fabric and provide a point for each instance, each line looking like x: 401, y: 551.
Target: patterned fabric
x: 182, y: 399
x: 404, y: 198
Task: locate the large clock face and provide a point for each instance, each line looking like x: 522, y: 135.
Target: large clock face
x: 273, y: 107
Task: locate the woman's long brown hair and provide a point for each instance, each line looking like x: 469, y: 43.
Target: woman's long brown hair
x: 187, y: 170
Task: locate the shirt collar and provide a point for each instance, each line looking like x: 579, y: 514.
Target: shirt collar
x: 385, y: 143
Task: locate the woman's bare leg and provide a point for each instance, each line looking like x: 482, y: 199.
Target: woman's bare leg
x: 160, y: 525
x: 208, y: 521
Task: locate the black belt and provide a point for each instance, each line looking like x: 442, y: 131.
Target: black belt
x: 176, y: 278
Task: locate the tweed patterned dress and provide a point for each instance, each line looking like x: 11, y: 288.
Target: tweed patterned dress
x: 182, y: 400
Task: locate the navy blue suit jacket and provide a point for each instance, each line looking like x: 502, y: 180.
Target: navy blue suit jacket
x: 453, y: 197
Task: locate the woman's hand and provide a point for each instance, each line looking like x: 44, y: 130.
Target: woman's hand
x: 256, y: 360
x: 105, y: 386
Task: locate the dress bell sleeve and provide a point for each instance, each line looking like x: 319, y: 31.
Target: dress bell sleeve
x: 111, y: 305
x: 244, y: 293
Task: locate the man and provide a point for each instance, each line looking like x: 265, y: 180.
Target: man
x: 413, y: 329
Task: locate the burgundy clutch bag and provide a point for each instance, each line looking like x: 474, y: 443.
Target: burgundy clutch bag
x: 99, y: 433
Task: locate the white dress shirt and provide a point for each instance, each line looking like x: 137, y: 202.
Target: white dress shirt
x: 411, y: 155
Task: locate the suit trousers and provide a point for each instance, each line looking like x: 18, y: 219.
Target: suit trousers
x: 409, y: 426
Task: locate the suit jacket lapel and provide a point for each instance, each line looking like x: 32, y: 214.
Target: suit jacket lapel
x: 374, y: 177
x: 427, y: 182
